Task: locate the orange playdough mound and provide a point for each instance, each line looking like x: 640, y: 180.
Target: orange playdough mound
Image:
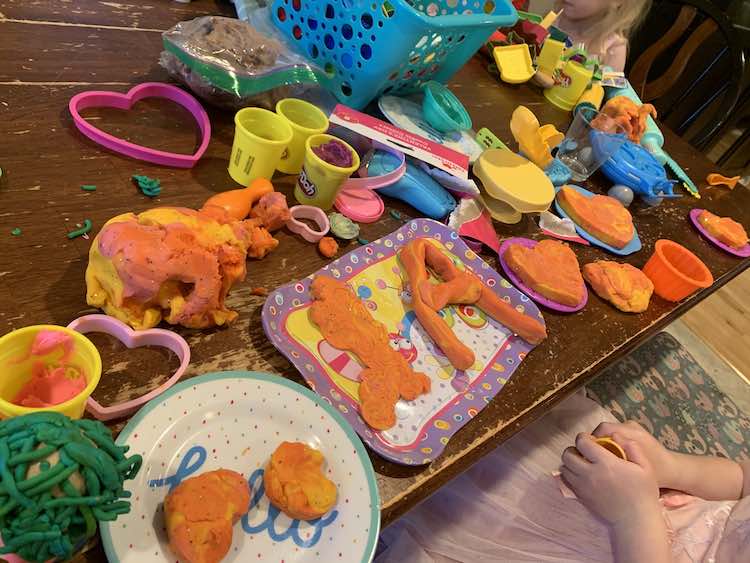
x: 295, y: 483
x: 601, y: 216
x: 625, y: 286
x: 200, y: 513
x: 727, y: 230
x: 346, y: 324
x: 550, y: 268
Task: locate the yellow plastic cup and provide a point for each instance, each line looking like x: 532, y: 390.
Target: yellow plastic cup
x: 15, y: 346
x: 305, y: 120
x: 320, y: 182
x: 566, y: 95
x: 260, y: 138
x: 549, y: 57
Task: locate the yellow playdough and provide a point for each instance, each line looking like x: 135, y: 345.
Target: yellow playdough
x: 535, y: 141
x: 516, y: 182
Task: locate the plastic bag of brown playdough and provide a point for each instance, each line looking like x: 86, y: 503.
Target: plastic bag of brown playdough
x: 229, y: 63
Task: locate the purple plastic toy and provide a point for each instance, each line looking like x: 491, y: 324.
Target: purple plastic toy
x: 99, y: 98
x: 554, y: 305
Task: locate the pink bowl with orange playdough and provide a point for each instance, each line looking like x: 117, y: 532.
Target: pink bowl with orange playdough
x: 47, y: 368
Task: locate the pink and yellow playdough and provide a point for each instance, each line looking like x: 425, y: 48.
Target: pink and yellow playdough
x: 178, y: 264
x: 51, y: 384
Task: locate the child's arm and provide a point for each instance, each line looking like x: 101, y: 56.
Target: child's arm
x: 710, y: 478
x: 624, y: 494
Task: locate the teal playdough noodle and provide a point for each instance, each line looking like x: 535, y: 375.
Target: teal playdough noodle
x: 58, y: 478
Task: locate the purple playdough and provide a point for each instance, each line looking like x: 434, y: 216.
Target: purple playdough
x: 335, y: 153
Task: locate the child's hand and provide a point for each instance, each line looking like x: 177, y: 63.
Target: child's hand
x: 620, y: 492
x: 656, y: 458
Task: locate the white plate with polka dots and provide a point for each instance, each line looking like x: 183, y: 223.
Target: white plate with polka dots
x: 235, y: 420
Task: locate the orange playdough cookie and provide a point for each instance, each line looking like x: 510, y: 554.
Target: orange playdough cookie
x: 727, y: 230
x: 550, y: 268
x: 601, y: 216
x: 295, y: 483
x: 200, y: 513
x: 347, y: 324
x: 623, y: 285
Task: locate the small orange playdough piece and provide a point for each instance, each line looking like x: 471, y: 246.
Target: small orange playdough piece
x: 623, y: 285
x: 727, y: 230
x: 237, y: 203
x: 715, y: 179
x: 602, y: 216
x: 200, y: 513
x: 346, y: 324
x: 550, y: 268
x: 458, y: 287
x: 328, y: 247
x: 295, y: 483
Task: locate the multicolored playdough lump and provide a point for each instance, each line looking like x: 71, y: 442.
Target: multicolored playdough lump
x: 175, y: 263
x: 59, y: 477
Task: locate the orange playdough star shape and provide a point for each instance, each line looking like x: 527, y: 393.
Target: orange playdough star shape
x: 346, y: 323
x: 295, y: 483
x: 200, y: 513
x: 727, y: 230
x: 601, y: 216
x: 550, y: 268
x: 623, y: 285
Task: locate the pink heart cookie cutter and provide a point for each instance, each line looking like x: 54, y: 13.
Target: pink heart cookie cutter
x: 133, y: 339
x: 103, y: 98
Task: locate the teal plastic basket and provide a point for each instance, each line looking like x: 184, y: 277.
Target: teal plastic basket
x: 370, y: 48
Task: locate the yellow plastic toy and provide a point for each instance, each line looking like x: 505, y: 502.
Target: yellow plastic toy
x: 260, y: 139
x: 513, y: 185
x: 575, y: 79
x: 535, y: 142
x: 715, y: 179
x: 514, y: 63
x: 549, y: 56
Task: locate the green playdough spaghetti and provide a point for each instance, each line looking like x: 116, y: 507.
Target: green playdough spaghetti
x: 59, y: 477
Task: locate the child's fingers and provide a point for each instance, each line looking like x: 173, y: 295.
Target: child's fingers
x: 569, y: 478
x: 590, y: 449
x: 605, y: 429
x: 573, y: 460
x: 635, y: 453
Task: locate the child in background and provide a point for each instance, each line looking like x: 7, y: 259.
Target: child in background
x: 603, y: 26
x: 509, y: 508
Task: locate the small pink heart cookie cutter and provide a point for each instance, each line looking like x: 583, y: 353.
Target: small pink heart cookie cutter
x: 103, y: 98
x: 133, y: 339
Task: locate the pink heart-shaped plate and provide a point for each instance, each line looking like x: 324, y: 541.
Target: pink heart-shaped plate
x: 99, y: 98
x: 132, y: 339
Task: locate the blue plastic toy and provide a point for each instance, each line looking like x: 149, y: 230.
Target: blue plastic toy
x: 443, y: 110
x: 635, y: 167
x: 416, y: 187
x: 371, y: 48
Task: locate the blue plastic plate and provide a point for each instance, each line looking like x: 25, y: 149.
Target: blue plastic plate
x: 631, y: 248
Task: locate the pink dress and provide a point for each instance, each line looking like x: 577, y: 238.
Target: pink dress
x: 508, y: 507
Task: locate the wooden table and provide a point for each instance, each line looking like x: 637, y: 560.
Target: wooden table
x: 49, y: 51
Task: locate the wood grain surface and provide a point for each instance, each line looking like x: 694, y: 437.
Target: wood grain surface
x: 50, y: 51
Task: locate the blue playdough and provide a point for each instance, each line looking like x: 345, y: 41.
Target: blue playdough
x: 416, y: 187
x: 558, y: 173
x: 633, y: 246
x: 635, y: 167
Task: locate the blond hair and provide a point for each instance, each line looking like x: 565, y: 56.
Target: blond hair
x: 622, y: 18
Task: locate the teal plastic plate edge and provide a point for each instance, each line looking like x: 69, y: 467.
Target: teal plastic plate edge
x: 121, y: 440
x: 631, y: 248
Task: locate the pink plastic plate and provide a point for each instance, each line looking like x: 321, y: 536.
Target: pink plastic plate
x: 425, y: 425
x: 743, y: 252
x: 539, y: 298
